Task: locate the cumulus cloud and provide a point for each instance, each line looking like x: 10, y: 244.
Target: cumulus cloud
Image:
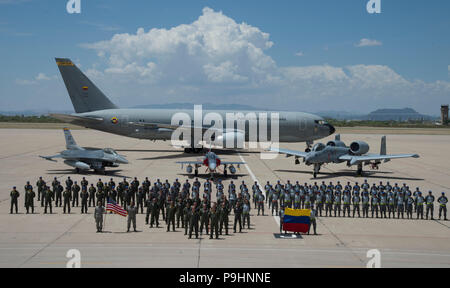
x: 364, y: 42
x: 213, y: 48
x: 224, y: 72
x: 299, y: 53
x: 215, y: 59
x: 40, y: 77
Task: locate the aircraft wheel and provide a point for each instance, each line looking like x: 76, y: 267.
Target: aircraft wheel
x: 77, y: 170
x: 196, y: 172
x: 225, y: 172
x: 315, y: 174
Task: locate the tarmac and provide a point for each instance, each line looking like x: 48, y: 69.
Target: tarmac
x: 43, y: 240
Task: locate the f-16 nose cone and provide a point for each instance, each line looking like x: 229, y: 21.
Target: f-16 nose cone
x: 122, y: 160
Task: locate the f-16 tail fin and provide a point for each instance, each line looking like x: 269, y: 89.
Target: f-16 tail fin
x: 85, y: 96
x: 70, y: 142
x: 383, y: 148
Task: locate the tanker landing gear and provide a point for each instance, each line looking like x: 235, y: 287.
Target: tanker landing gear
x: 308, y: 146
x: 316, y: 170
x: 359, y: 171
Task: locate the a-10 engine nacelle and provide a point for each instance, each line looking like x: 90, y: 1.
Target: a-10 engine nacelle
x: 359, y: 147
x: 230, y: 139
x: 336, y: 143
x: 78, y: 164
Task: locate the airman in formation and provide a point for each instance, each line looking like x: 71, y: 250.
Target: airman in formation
x: 382, y: 201
x: 190, y: 205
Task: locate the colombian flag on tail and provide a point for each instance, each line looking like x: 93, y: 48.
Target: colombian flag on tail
x: 296, y: 220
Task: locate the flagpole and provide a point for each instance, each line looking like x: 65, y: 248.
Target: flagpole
x: 106, y: 213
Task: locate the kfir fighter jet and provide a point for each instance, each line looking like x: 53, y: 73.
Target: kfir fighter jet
x: 212, y: 162
x: 336, y: 151
x: 87, y: 158
x: 94, y: 110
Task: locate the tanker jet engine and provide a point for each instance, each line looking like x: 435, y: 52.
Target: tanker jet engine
x: 87, y: 158
x: 337, y: 152
x: 212, y: 162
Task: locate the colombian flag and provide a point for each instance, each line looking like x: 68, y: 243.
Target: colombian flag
x: 296, y: 220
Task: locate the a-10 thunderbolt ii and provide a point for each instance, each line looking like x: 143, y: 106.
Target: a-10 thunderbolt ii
x: 87, y: 158
x: 95, y: 111
x: 212, y: 162
x: 336, y: 151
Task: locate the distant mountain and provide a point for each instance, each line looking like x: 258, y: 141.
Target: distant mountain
x: 405, y: 114
x: 401, y: 115
x: 206, y: 106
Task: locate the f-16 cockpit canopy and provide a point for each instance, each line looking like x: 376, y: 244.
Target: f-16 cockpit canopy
x: 110, y: 151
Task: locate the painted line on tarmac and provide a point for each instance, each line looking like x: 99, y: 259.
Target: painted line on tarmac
x: 276, y: 218
x: 439, y: 222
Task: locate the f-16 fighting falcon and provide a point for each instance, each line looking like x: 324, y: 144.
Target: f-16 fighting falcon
x: 94, y: 110
x: 337, y: 152
x: 87, y: 158
x: 212, y: 162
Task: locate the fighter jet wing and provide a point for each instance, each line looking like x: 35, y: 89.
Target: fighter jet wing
x: 354, y: 159
x: 190, y: 162
x: 154, y: 125
x: 50, y: 158
x: 289, y: 152
x: 77, y: 120
x: 231, y: 163
x: 174, y: 127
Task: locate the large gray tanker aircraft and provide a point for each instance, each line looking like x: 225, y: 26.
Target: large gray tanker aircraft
x: 94, y: 110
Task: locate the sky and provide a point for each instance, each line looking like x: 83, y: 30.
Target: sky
x: 299, y: 55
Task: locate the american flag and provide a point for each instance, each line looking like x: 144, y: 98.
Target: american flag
x: 114, y: 207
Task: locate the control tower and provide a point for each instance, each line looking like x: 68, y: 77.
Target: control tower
x: 444, y: 114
